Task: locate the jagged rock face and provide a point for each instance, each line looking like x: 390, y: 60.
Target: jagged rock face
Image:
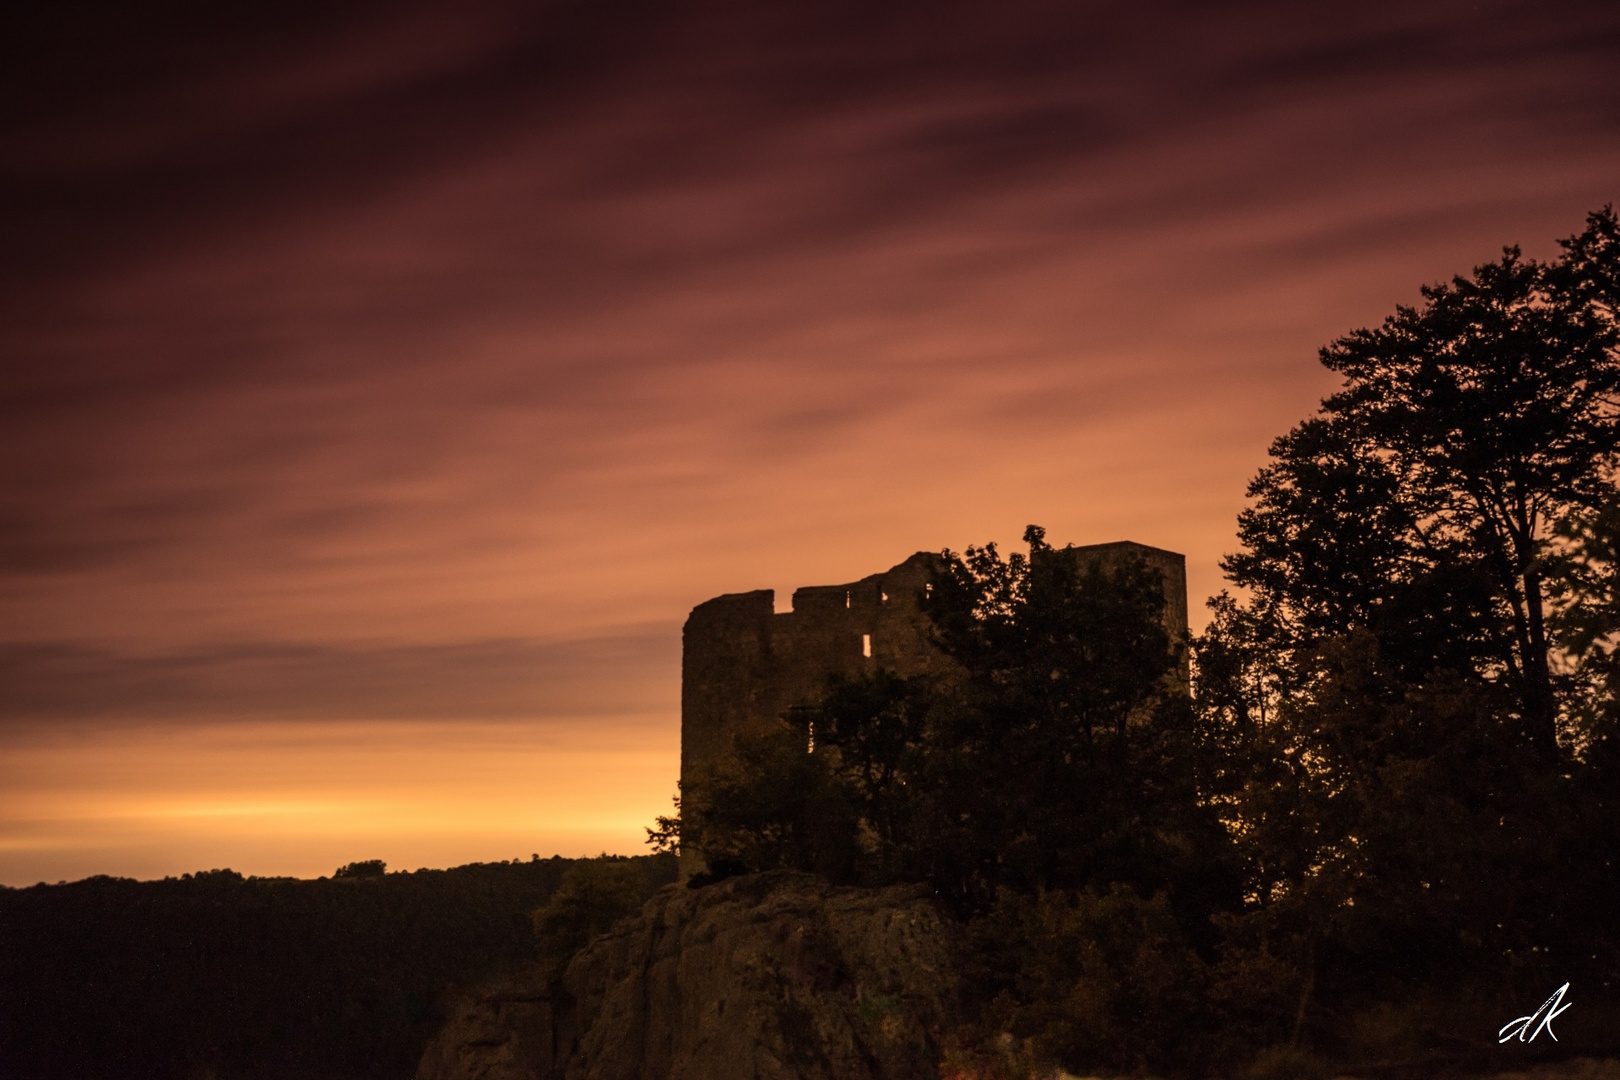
x: 768, y: 977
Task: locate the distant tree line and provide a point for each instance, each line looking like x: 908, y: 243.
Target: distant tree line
x: 1384, y: 822
x: 215, y: 974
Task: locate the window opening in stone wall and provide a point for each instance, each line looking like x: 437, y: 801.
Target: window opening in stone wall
x: 846, y: 599
x: 866, y: 644
x: 883, y: 597
x: 812, y: 747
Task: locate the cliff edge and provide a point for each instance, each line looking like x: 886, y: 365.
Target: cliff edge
x: 769, y: 976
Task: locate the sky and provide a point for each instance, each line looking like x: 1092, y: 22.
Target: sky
x: 382, y: 386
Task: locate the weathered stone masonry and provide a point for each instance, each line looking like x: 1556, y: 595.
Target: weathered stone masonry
x: 743, y: 663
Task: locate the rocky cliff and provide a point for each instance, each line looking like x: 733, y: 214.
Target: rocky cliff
x: 769, y: 977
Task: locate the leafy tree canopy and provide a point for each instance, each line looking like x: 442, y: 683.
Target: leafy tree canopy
x: 1425, y: 501
x: 1415, y: 703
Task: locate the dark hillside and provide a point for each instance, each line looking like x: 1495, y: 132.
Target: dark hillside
x: 214, y: 974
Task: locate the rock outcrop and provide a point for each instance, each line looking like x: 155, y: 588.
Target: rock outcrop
x: 768, y: 977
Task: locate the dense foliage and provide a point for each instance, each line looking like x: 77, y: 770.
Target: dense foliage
x: 217, y: 974
x: 1419, y: 691
x: 1425, y: 502
x: 1049, y: 758
x: 592, y: 896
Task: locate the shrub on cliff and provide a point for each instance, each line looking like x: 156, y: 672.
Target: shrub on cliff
x: 593, y: 895
x: 770, y: 804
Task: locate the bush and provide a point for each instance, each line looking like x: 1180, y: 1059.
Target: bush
x: 1089, y: 980
x: 590, y: 899
x: 768, y: 804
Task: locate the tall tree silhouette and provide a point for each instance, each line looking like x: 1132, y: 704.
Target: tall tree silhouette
x: 1423, y: 502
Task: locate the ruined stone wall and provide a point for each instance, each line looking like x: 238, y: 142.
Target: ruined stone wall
x: 743, y: 663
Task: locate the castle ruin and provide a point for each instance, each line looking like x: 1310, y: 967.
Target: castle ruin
x: 743, y: 663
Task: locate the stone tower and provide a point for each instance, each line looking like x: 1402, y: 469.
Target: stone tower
x: 743, y: 663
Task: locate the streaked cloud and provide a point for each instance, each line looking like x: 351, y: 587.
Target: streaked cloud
x: 623, y: 677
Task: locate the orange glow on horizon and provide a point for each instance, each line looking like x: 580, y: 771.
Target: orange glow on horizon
x: 301, y: 799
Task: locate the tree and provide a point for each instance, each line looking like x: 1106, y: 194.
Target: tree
x: 592, y: 895
x: 873, y: 733
x: 1048, y: 758
x: 768, y: 803
x: 366, y: 869
x: 1062, y: 646
x: 1059, y: 762
x: 1423, y: 502
x: 664, y: 836
x: 1587, y: 596
x: 1417, y: 694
